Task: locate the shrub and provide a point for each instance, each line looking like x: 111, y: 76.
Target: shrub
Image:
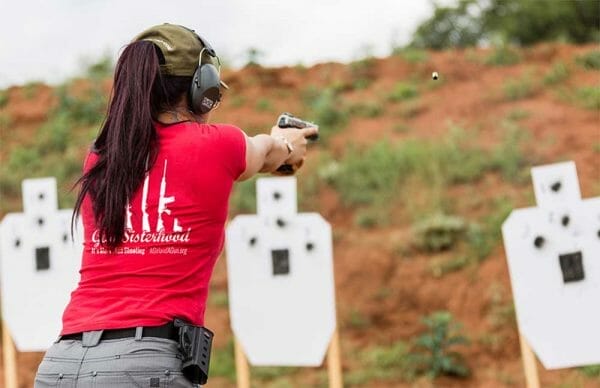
x: 326, y: 109
x: 503, y: 55
x: 87, y: 110
x: 558, y: 73
x: 589, y: 60
x: 589, y: 97
x: 403, y: 91
x: 438, y: 232
x: 437, y: 357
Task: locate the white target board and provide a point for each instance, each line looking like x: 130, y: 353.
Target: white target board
x: 280, y: 275
x: 39, y: 265
x: 553, y: 253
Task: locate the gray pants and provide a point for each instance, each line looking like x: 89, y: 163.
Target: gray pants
x: 130, y: 362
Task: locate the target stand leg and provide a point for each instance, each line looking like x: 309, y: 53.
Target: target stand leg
x: 529, y: 365
x: 241, y: 365
x: 9, y: 358
x: 334, y: 362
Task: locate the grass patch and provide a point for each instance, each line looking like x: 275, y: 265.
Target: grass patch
x: 557, y: 74
x: 366, y: 109
x: 30, y: 89
x: 508, y: 157
x: 442, y: 267
x: 503, y: 55
x: 243, y: 198
x: 218, y: 298
x: 5, y: 121
x: 357, y: 320
x: 590, y: 370
x: 518, y: 114
x: 520, y: 88
x: 403, y: 91
x: 589, y: 60
x: 588, y: 97
x: 374, y: 177
x: 3, y: 98
x: 483, y: 237
x: 387, y: 362
x: 237, y: 101
x: 411, y: 54
x: 222, y: 363
x: 264, y: 105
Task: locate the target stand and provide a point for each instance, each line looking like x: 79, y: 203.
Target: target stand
x: 552, y: 254
x: 281, y: 285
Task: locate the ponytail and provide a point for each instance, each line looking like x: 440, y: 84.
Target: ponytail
x: 126, y: 146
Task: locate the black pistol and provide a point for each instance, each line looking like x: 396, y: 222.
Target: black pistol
x: 287, y: 120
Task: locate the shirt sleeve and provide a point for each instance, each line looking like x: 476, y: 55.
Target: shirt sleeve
x: 233, y: 146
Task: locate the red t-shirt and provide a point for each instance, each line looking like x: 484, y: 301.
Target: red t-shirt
x: 175, y: 232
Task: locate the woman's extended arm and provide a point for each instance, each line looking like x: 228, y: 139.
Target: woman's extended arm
x: 266, y: 153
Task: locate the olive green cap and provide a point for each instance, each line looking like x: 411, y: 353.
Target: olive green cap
x: 179, y: 45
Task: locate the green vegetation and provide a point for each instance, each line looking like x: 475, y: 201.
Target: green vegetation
x: 589, y: 97
x: 589, y: 60
x: 366, y: 109
x: 264, y: 105
x: 222, y: 363
x: 3, y: 98
x: 523, y: 22
x: 438, y: 232
x: 30, y: 89
x: 437, y: 356
x: 243, y: 198
x: 508, y: 157
x: 363, y: 71
x: 591, y: 370
x: 5, y: 120
x: 519, y: 88
x: 218, y: 298
x: 373, y: 176
x: 503, y: 55
x: 518, y: 114
x: 411, y: 54
x: 403, y: 91
x: 558, y: 73
x: 101, y: 69
x: 237, y: 100
x: 357, y: 320
x: 483, y: 237
x: 386, y: 362
x: 326, y: 109
x: 58, y: 147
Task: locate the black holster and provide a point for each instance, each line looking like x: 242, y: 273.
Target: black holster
x: 195, y: 344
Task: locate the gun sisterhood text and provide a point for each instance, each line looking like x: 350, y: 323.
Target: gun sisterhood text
x: 287, y: 120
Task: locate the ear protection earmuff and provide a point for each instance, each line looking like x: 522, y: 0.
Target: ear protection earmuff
x: 205, y: 91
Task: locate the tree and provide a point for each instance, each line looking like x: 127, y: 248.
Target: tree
x: 521, y: 22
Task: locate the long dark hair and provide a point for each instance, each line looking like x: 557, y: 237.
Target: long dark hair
x: 127, y: 143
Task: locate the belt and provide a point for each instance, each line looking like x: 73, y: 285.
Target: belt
x: 168, y: 331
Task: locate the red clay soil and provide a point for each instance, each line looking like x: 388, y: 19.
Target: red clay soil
x: 377, y: 275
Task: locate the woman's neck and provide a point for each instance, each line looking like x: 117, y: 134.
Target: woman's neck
x: 177, y: 114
